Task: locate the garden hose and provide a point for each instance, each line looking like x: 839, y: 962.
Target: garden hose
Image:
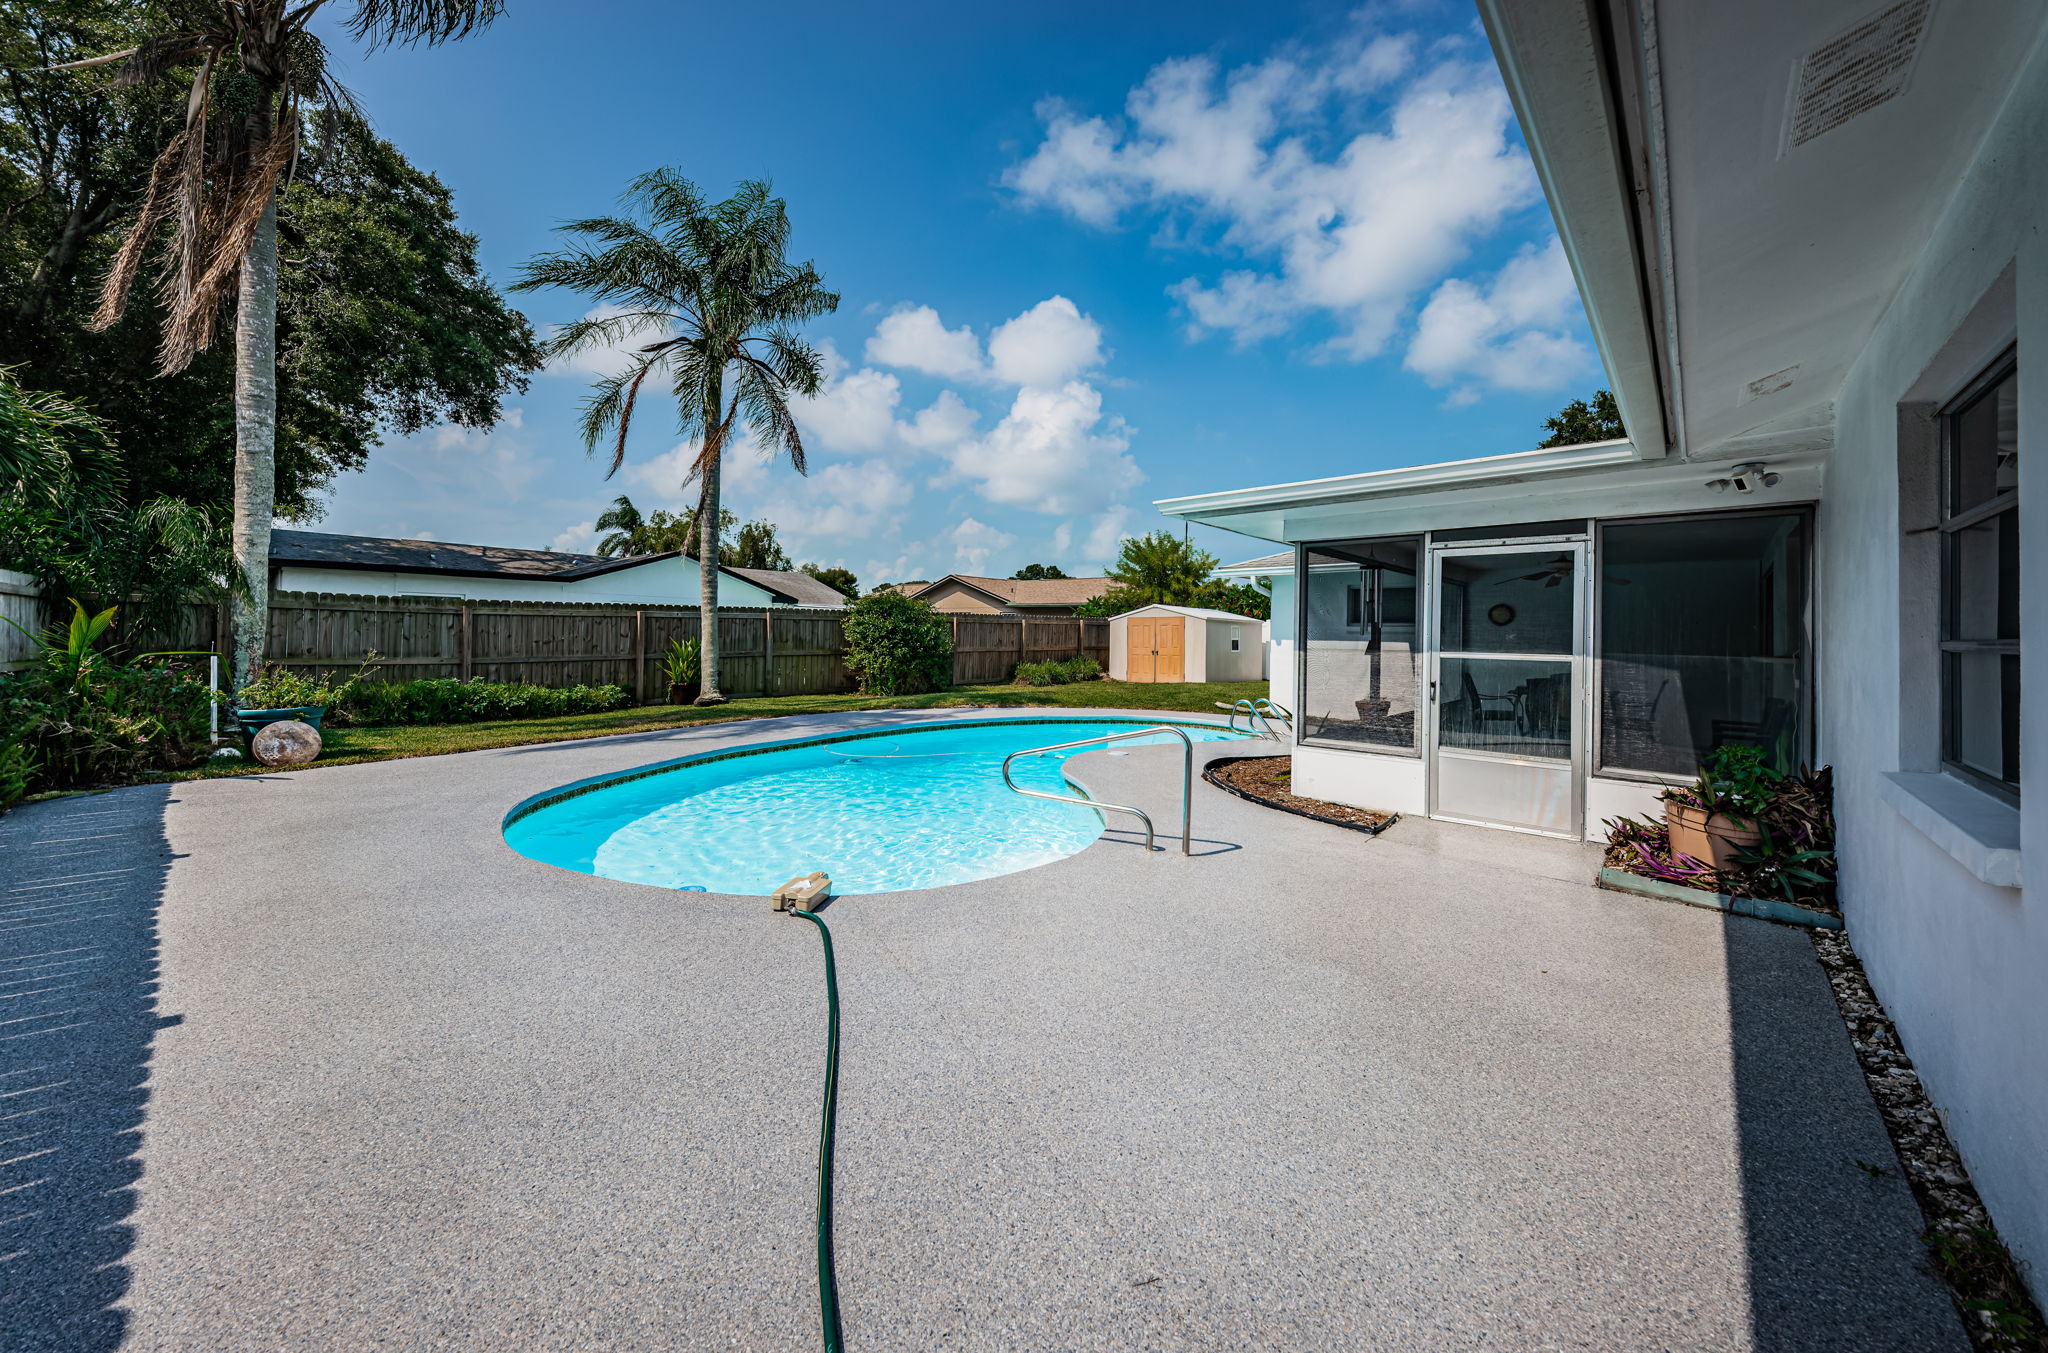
x: 828, y: 1284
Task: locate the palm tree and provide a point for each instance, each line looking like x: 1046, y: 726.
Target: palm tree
x: 251, y: 68
x: 714, y: 282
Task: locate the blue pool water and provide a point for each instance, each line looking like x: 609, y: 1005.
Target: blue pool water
x: 916, y: 807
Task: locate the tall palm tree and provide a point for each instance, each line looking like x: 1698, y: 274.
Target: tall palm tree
x: 713, y: 284
x: 251, y: 69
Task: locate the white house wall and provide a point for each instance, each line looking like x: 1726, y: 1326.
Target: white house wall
x: 1962, y: 965
x: 1280, y: 639
x: 664, y: 582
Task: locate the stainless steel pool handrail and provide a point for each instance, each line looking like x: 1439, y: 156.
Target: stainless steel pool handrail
x: 1187, y: 780
x: 1256, y: 712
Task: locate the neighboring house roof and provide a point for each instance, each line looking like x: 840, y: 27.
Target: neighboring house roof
x: 793, y: 586
x: 321, y: 549
x: 1199, y: 612
x: 1265, y: 563
x: 1025, y: 591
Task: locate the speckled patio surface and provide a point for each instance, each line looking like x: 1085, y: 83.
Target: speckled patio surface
x: 313, y: 1061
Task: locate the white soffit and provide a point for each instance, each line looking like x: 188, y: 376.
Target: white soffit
x: 1811, y: 148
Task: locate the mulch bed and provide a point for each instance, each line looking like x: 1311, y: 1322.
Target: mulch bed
x: 1997, y: 1310
x: 1266, y: 780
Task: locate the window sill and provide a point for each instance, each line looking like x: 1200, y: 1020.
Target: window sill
x: 1981, y: 832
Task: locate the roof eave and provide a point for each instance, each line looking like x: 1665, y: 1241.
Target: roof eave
x: 1560, y: 69
x: 1407, y: 479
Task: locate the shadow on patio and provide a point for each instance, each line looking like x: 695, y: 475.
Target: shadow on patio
x: 78, y: 982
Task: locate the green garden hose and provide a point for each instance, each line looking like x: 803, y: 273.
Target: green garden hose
x: 828, y: 1284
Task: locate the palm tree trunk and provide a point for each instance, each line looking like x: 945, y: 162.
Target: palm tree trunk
x: 255, y: 444
x: 707, y: 580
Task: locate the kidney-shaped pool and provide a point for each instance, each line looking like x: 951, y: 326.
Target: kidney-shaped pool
x: 886, y: 810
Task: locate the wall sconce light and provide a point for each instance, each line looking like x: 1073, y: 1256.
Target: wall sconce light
x: 1746, y: 478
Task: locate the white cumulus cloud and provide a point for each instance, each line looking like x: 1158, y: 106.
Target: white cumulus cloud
x: 1512, y: 331
x: 973, y: 542
x: 1046, y: 345
x: 1337, y: 186
x: 1055, y: 451
x: 914, y: 338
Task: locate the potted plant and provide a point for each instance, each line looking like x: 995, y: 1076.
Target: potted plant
x: 279, y: 695
x: 683, y: 665
x: 1714, y: 819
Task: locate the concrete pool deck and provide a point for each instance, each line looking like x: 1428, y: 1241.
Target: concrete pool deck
x: 313, y: 1061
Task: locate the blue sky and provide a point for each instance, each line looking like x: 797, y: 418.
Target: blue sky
x: 1090, y: 256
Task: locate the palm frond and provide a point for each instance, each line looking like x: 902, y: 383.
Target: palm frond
x: 189, y: 328
x: 156, y: 205
x: 410, y: 22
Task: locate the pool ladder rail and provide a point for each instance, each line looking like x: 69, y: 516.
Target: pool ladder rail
x: 1260, y: 715
x: 1187, y: 780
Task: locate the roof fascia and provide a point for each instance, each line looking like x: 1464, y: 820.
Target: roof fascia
x: 1558, y: 59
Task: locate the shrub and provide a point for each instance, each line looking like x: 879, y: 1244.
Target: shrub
x: 1078, y: 668
x: 446, y: 700
x: 281, y: 688
x: 896, y: 645
x: 77, y: 718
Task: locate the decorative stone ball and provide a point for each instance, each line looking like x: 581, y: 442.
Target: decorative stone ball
x: 285, y: 743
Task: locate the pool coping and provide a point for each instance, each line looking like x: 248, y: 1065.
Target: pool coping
x: 532, y: 804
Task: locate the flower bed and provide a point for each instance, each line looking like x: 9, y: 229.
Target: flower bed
x: 1269, y: 780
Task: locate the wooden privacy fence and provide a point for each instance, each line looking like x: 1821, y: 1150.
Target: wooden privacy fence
x: 781, y: 650
x: 22, y: 602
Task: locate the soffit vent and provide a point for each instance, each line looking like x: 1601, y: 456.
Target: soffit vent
x: 1869, y: 64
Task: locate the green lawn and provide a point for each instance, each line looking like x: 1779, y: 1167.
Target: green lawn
x: 347, y: 745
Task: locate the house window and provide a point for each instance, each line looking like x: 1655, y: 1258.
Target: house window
x: 1359, y: 647
x: 1233, y: 646
x: 1703, y: 640
x: 1980, y: 582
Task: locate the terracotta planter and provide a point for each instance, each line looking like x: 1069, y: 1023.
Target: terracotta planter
x: 1711, y: 839
x: 683, y: 693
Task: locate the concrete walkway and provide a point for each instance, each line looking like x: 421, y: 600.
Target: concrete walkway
x: 314, y: 1061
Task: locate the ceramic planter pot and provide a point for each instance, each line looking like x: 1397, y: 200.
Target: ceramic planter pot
x: 683, y: 693
x: 1715, y: 838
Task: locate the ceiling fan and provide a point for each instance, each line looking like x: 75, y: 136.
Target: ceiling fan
x: 1557, y: 570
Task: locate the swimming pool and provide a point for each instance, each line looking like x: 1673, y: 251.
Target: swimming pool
x: 918, y: 806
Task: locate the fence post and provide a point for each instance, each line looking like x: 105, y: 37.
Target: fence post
x: 640, y: 657
x: 468, y: 654
x: 768, y: 675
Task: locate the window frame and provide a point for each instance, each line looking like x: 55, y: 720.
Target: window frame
x: 1947, y: 525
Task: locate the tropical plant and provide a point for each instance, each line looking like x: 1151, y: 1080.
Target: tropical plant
x: 18, y: 767
x: 706, y: 297
x: 683, y: 663
x: 1733, y: 779
x: 840, y: 579
x: 624, y: 531
x: 1582, y: 421
x: 1033, y: 572
x: 896, y: 645
x: 249, y: 67
x: 1161, y: 568
x: 65, y: 517
x: 77, y: 717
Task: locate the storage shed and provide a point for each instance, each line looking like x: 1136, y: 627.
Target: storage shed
x: 1184, y: 643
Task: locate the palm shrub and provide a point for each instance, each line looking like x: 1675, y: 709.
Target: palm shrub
x: 898, y: 645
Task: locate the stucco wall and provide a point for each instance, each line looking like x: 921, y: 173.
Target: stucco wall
x: 666, y: 582
x: 1961, y: 965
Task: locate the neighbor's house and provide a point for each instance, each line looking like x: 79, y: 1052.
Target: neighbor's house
x: 1812, y: 244
x: 965, y: 594
x: 316, y: 561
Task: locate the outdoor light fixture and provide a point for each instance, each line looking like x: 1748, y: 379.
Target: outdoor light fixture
x: 1746, y: 478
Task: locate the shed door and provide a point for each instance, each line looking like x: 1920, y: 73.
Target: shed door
x: 1138, y: 656
x: 1168, y: 650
